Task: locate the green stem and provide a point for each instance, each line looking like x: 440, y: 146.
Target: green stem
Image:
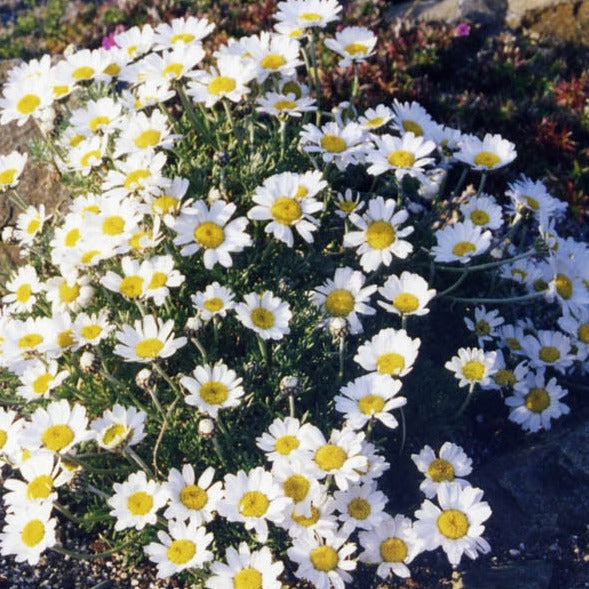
x: 454, y: 286
x: 137, y: 459
x: 263, y: 346
x: 488, y: 265
x: 342, y: 357
x: 161, y: 435
x: 317, y: 81
x: 466, y: 401
x: 403, y: 430
x: 67, y: 513
x: 492, y: 301
x: 200, y: 348
x: 188, y: 106
x: 282, y: 138
x: 355, y: 86
x: 291, y: 405
x: 167, y: 378
x: 482, y: 183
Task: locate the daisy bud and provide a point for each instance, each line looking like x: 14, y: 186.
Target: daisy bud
x: 338, y: 327
x: 193, y: 326
x: 290, y: 385
x: 206, y: 427
x: 89, y: 362
x: 214, y: 195
x: 145, y: 379
x: 8, y: 236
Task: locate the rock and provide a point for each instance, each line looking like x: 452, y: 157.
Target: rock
x: 489, y: 12
x: 531, y: 574
x: 38, y: 184
x: 426, y: 10
x: 540, y: 491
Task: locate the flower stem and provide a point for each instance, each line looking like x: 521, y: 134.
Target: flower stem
x: 200, y: 348
x: 136, y: 458
x: 482, y: 183
x: 466, y: 401
x: 520, y: 299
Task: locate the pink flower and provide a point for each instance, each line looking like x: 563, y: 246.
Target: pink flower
x: 109, y: 42
x: 462, y: 30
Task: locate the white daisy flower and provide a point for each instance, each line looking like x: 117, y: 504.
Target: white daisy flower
x: 376, y: 118
x: 246, y: 569
x: 70, y: 291
x: 185, y: 31
x: 280, y: 201
x: 506, y: 377
x: 321, y: 522
x: 483, y: 211
x: 360, y: 507
x: 28, y: 533
x: 577, y: 327
x: 323, y: 562
x: 491, y: 153
x: 253, y: 498
x: 24, y: 99
x: 170, y: 202
x: 306, y: 14
x: 283, y: 438
x: 411, y: 117
x: 392, y: 545
x: 460, y: 242
x: 214, y: 301
x: 265, y: 314
x: 136, y: 501
x: 372, y: 396
x: 485, y: 324
x: 97, y: 116
x: 22, y: 288
x: 171, y: 66
x: 530, y: 195
x: 347, y: 203
x: 30, y: 223
x: 140, y: 173
x: 136, y: 41
x: 39, y: 379
x: 409, y: 294
x: 11, y: 167
x: 143, y: 133
x: 549, y: 348
x: 512, y: 338
x: 35, y: 334
x: 285, y: 105
x: 568, y: 282
x: 450, y: 465
x: 119, y: 427
x: 456, y: 525
x: 90, y: 330
x: 405, y: 155
x: 379, y: 237
x: 390, y: 351
x: 345, y: 296
x: 536, y: 401
x: 213, y: 388
x: 133, y: 283
x: 472, y: 366
x: 354, y: 44
x: 193, y: 499
x: 273, y: 54
x: 151, y: 338
x: 298, y: 484
x: 199, y: 227
x: 10, y: 426
x: 185, y: 547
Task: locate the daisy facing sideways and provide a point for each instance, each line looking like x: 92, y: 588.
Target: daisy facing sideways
x: 460, y: 242
x: 409, y: 294
x: 353, y: 44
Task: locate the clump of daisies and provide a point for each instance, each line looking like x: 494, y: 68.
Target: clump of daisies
x: 219, y: 325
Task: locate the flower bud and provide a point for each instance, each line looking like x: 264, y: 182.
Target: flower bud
x: 89, y: 362
x: 206, y: 427
x: 290, y: 385
x: 145, y: 378
x: 338, y: 327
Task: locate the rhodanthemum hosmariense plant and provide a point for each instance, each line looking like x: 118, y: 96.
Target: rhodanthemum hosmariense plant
x: 213, y: 337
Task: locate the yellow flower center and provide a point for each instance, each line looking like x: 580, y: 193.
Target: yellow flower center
x: 149, y: 138
x: 31, y: 340
x: 112, y: 69
x: 213, y: 304
x: 165, y: 204
x: 173, y: 70
x: 57, y: 437
x: 84, y: 72
x: 66, y: 339
x: 412, y: 127
x: 405, y: 302
x: 359, y: 508
x: 193, y: 497
x: 131, y: 50
x: 532, y: 202
x: 393, y: 550
x: 540, y: 285
x: 473, y: 370
x: 41, y: 383
x: 7, y: 176
x: 262, y: 318
x: 285, y: 105
x: 72, y: 237
x: 549, y: 354
x: 140, y: 503
x: 306, y: 522
x: 480, y: 217
x: 292, y: 88
x: 401, y: 158
x: 91, y: 155
x: 221, y: 85
x: 23, y: 293
x: 97, y: 122
x: 324, y: 558
x: 273, y: 61
x: 440, y: 470
x: 504, y: 378
x: 391, y: 363
x: 60, y: 90
x: 214, y: 393
x: 253, y: 504
x: 537, y: 400
x: 3, y: 438
x: 380, y: 235
x: 453, y: 524
x: 340, y: 303
x: 91, y: 332
x: 333, y: 144
x: 209, y: 235
x: 286, y: 444
x: 330, y: 457
x: 583, y: 333
x: 356, y: 48
x: 370, y: 404
x: 286, y: 211
x: 247, y: 578
x: 309, y: 16
x: 114, y: 434
x: 564, y: 286
x: 296, y: 487
x: 463, y: 247
x: 158, y: 280
x: 149, y: 348
x: 347, y: 206
x: 40, y: 487
x: 28, y: 104
x: 182, y: 38
x: 33, y: 226
x: 181, y: 551
x: 487, y: 159
x: 482, y: 328
x: 375, y: 122
x: 33, y: 533
x: 513, y: 343
x: 131, y: 286
x: 136, y: 241
x: 133, y: 179
x: 68, y: 294
x: 113, y: 225
x: 518, y: 273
